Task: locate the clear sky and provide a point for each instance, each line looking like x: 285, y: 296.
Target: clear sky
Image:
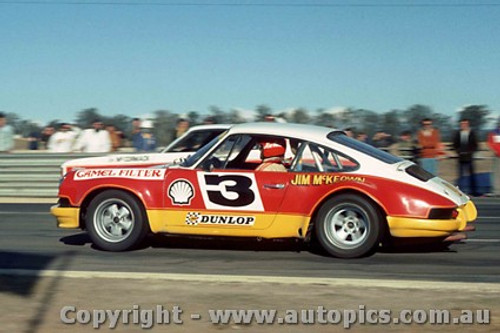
x: 136, y: 56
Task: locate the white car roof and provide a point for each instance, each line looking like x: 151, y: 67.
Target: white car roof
x: 209, y: 126
x: 299, y: 131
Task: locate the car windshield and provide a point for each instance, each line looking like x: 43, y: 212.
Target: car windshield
x: 193, y: 141
x: 199, y: 154
x: 380, y: 155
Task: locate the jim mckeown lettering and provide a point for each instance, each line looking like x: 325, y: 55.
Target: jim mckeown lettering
x: 324, y: 179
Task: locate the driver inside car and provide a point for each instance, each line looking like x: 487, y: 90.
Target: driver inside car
x: 272, y: 154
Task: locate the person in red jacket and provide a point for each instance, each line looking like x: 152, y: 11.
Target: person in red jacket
x: 429, y: 141
x: 494, y: 144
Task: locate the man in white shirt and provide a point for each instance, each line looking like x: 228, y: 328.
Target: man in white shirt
x: 94, y: 140
x: 6, y: 135
x: 62, y: 141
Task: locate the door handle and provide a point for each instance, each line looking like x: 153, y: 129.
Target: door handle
x: 274, y: 186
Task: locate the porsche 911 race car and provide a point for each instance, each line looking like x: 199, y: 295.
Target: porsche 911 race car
x: 321, y: 183
x: 195, y: 138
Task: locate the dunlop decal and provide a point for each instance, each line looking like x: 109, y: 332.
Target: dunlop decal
x: 195, y: 218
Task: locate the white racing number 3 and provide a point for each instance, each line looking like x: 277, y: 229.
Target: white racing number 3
x: 230, y: 191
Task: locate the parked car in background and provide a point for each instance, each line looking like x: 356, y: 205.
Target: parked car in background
x: 347, y: 194
x: 191, y: 141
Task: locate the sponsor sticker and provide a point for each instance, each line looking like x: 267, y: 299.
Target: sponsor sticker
x: 181, y: 192
x: 133, y: 158
x: 196, y: 218
x: 141, y: 174
x: 324, y: 179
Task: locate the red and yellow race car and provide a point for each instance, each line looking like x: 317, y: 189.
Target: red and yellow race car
x: 272, y: 181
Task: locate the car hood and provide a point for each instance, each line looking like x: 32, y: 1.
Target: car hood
x: 119, y: 160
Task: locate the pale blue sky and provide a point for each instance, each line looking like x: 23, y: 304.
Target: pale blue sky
x: 134, y: 59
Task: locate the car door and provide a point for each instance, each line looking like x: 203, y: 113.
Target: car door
x: 219, y: 198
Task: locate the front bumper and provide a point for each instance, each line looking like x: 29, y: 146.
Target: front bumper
x: 414, y: 227
x: 67, y: 217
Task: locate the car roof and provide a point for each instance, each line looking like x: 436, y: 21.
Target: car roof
x: 209, y: 127
x: 299, y: 131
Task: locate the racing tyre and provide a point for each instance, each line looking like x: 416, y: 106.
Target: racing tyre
x: 116, y: 221
x: 348, y: 226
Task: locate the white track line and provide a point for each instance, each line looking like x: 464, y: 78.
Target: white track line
x: 24, y: 213
x: 333, y: 282
x: 479, y: 240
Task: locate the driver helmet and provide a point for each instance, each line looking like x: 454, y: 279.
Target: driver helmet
x: 273, y: 148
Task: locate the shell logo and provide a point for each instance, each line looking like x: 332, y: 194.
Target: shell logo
x: 181, y: 192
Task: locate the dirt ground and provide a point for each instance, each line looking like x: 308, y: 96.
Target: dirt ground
x: 32, y: 304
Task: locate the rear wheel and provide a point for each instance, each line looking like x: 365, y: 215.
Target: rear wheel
x: 348, y: 226
x: 116, y: 221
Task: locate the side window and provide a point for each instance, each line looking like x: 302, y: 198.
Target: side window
x: 195, y: 140
x: 304, y: 160
x: 228, y: 154
x: 314, y: 158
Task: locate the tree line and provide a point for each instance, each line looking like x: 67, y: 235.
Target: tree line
x: 392, y: 122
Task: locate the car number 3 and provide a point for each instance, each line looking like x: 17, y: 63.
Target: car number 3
x: 230, y: 191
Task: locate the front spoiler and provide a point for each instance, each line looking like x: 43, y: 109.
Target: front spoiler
x: 67, y: 217
x: 414, y: 227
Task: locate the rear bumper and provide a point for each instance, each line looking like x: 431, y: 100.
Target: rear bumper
x: 67, y: 217
x: 414, y: 227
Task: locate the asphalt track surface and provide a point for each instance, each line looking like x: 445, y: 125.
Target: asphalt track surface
x: 31, y: 241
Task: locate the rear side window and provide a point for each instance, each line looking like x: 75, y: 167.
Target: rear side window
x: 419, y: 173
x: 371, y: 151
x: 315, y: 158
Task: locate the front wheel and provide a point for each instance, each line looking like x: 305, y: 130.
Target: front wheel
x: 116, y: 221
x: 348, y: 226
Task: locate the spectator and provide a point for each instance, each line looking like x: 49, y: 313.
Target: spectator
x: 114, y: 136
x: 494, y: 144
x: 33, y: 140
x: 363, y: 137
x: 75, y: 129
x: 429, y: 141
x: 47, y: 132
x: 6, y: 135
x: 136, y: 135
x: 181, y: 128
x: 349, y: 131
x: 406, y: 147
x: 136, y: 125
x: 209, y: 121
x: 269, y: 118
x: 381, y: 139
x: 148, y: 141
x: 62, y: 141
x: 94, y: 140
x: 465, y: 144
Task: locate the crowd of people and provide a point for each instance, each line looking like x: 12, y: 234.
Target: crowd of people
x: 424, y: 147
x: 99, y: 138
